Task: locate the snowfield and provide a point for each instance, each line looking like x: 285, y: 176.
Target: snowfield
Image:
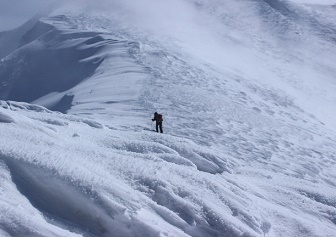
x: 246, y: 89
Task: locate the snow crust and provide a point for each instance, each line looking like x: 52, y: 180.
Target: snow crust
x: 246, y: 89
x: 76, y: 176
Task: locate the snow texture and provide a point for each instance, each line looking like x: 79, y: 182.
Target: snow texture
x: 246, y: 89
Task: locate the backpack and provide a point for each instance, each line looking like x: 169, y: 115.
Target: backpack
x: 159, y: 116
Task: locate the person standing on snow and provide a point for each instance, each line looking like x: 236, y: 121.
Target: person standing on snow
x: 158, y: 119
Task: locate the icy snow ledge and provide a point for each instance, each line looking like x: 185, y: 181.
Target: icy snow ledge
x: 49, y: 60
x: 4, y: 118
x: 62, y: 202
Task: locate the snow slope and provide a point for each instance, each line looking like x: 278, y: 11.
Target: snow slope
x: 246, y: 89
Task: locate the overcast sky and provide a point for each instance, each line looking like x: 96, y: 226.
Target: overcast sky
x: 327, y: 2
x: 15, y: 12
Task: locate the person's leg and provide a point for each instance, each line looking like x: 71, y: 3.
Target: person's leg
x: 157, y: 127
x: 161, y: 128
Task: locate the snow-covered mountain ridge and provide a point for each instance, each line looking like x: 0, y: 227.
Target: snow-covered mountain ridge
x: 246, y: 91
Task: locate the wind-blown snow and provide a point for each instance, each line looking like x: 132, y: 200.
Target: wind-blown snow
x: 246, y: 89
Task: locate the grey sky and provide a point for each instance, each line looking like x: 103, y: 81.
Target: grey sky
x: 15, y: 12
x: 323, y: 2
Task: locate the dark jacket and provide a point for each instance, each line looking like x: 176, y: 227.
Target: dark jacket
x: 157, y: 118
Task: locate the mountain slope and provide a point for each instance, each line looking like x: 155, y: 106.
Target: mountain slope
x: 80, y: 176
x: 246, y: 91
